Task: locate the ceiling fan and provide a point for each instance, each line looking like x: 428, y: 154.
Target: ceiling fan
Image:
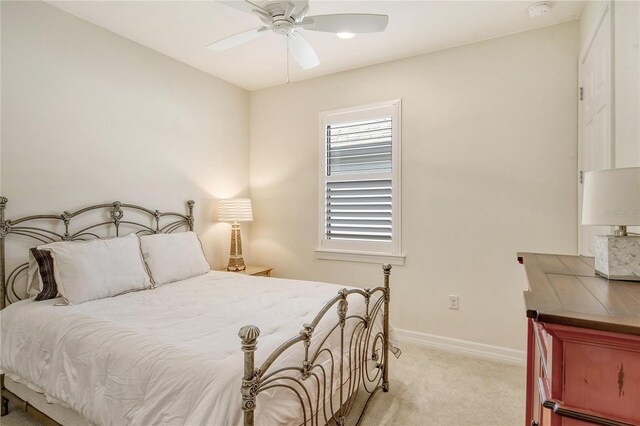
x: 287, y: 18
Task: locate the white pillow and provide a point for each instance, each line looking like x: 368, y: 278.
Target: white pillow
x: 89, y: 270
x: 173, y: 257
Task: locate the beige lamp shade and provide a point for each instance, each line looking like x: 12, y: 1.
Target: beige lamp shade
x: 235, y: 210
x: 612, y: 197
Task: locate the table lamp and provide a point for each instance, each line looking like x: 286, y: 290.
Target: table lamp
x: 612, y: 198
x: 234, y: 211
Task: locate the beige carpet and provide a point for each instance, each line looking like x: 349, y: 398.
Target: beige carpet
x: 432, y: 387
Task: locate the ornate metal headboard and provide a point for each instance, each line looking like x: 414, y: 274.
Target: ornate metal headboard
x: 49, y: 228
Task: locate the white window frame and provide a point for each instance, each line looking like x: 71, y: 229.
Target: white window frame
x: 363, y: 251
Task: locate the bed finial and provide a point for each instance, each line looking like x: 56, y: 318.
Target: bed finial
x: 251, y: 379
x: 249, y: 334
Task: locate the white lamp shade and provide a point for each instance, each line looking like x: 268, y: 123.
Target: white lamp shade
x: 611, y: 197
x: 235, y: 210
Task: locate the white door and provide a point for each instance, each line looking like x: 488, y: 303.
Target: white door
x: 596, y: 134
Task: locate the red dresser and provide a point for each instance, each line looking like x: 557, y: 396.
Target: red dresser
x: 583, y: 349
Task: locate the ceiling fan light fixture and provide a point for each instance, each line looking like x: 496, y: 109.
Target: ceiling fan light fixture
x: 345, y: 35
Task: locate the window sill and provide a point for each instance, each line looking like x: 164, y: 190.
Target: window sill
x: 359, y: 256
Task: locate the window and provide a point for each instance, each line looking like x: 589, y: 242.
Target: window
x: 360, y: 184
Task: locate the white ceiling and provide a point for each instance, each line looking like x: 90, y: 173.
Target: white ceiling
x: 183, y: 29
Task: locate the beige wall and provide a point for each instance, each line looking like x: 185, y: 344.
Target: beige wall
x: 89, y: 116
x: 489, y: 160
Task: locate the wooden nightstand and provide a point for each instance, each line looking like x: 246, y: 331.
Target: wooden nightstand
x: 256, y: 271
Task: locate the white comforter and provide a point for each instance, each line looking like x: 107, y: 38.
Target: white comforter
x: 166, y: 356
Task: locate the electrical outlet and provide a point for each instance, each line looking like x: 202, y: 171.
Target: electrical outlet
x: 454, y: 302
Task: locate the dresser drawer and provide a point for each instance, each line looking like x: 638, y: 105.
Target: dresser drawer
x: 604, y: 379
x: 592, y: 377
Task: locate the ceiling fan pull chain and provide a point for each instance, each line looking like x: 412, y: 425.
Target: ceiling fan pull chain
x: 287, y: 37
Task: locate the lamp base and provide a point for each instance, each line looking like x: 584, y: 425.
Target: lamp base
x: 617, y: 258
x: 236, y: 262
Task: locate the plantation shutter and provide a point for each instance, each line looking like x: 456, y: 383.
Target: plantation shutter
x: 360, y: 147
x: 358, y: 188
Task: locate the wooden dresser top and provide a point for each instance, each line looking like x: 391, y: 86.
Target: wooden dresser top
x: 565, y: 290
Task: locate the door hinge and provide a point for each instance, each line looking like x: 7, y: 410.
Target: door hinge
x: 581, y: 93
x: 581, y: 176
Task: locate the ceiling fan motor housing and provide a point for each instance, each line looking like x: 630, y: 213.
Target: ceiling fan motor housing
x: 283, y: 26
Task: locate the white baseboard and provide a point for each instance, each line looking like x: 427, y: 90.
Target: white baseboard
x: 495, y: 353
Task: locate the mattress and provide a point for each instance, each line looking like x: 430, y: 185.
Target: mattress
x: 63, y: 415
x: 170, y: 355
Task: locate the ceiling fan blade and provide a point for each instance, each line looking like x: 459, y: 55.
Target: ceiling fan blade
x: 289, y: 10
x: 294, y: 7
x: 346, y: 23
x: 249, y: 7
x: 302, y: 51
x: 238, y: 39
x: 302, y: 13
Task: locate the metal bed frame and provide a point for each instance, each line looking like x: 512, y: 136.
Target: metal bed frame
x: 361, y: 365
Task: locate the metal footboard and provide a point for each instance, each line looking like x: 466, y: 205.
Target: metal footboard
x: 362, y: 366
